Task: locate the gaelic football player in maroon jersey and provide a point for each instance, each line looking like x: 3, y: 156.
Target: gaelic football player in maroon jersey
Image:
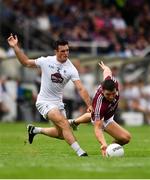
x: 104, y: 104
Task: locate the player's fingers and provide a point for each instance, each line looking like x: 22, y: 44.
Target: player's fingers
x: 90, y: 109
x: 10, y: 37
x: 16, y: 37
x: 100, y: 64
x: 103, y: 153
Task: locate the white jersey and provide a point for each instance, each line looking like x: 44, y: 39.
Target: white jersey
x: 55, y: 76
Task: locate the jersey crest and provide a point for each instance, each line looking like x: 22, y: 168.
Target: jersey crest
x: 56, y: 78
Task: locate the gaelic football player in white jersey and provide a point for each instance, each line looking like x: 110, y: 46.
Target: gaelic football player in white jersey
x: 56, y: 72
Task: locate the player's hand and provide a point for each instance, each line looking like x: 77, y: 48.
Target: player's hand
x: 103, y: 149
x: 102, y: 65
x: 106, y: 70
x: 90, y: 109
x: 12, y: 40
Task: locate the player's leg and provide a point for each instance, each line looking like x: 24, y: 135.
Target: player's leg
x: 54, y: 132
x: 121, y: 135
x: 61, y: 130
x: 62, y: 123
x: 85, y: 118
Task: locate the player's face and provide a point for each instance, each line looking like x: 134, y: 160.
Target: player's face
x: 109, y: 95
x: 62, y: 53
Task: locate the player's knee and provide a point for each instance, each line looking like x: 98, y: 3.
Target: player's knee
x: 88, y: 115
x: 59, y: 133
x: 65, y: 125
x: 60, y: 136
x: 126, y: 138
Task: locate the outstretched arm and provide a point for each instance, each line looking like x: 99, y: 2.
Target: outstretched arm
x: 84, y: 94
x: 100, y: 136
x: 23, y: 59
x: 106, y: 70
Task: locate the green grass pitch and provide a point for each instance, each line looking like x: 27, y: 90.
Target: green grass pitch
x: 52, y: 158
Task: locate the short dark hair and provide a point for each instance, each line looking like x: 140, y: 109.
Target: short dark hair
x: 60, y: 42
x: 109, y: 85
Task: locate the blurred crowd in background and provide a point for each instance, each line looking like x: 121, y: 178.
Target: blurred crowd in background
x: 121, y: 28
x: 17, y: 98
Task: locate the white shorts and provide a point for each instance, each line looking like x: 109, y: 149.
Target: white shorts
x: 45, y: 106
x: 107, y: 122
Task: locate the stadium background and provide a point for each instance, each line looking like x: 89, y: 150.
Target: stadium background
x: 116, y: 31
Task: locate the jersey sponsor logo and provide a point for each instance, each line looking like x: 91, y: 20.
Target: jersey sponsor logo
x: 56, y: 78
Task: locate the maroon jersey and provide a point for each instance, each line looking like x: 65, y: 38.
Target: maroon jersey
x: 102, y: 108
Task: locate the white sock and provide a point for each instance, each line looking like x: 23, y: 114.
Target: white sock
x: 75, y: 146
x: 37, y: 130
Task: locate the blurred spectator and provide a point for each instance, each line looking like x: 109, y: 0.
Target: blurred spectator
x: 2, y: 53
x: 38, y: 116
x: 26, y: 99
x: 9, y: 87
x: 3, y: 107
x: 140, y: 101
x: 116, y: 51
x: 118, y: 22
x: 116, y: 74
x: 79, y: 21
x: 79, y: 102
x: 88, y: 79
x: 10, y: 53
x: 43, y: 22
x: 69, y: 99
